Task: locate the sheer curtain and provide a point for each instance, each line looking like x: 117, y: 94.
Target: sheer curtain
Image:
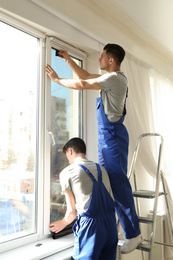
x: 149, y: 107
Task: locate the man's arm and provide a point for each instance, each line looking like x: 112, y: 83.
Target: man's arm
x: 70, y: 213
x: 81, y: 73
x: 77, y: 84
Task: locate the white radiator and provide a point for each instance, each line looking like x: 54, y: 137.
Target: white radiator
x: 118, y: 256
x: 63, y: 255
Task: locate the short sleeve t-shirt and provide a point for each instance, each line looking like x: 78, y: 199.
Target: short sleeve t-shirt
x: 113, y: 94
x: 74, y: 178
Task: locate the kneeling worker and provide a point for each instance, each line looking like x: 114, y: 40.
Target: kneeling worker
x: 89, y: 196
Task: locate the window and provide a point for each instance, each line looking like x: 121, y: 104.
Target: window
x: 65, y: 123
x: 18, y: 133
x: 31, y: 159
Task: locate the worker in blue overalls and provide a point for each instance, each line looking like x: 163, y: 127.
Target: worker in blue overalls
x: 89, y: 196
x: 113, y: 139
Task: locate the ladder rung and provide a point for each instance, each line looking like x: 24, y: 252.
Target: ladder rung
x: 146, y: 194
x: 145, y: 220
x: 143, y: 247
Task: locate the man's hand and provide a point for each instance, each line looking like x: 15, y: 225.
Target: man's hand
x: 64, y: 54
x: 70, y: 213
x: 51, y: 73
x: 58, y: 226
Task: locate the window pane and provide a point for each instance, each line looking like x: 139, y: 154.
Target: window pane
x: 65, y: 124
x: 18, y: 92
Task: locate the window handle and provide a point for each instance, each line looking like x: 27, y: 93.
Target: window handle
x: 52, y: 136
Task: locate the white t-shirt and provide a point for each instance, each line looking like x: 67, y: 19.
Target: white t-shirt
x: 74, y: 178
x: 113, y: 94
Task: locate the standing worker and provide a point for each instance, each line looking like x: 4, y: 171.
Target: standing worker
x: 89, y: 195
x: 113, y: 137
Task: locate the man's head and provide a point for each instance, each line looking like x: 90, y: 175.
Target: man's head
x: 111, y: 57
x: 115, y: 51
x: 73, y: 148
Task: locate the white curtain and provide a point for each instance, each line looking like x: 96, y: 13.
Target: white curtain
x: 149, y: 107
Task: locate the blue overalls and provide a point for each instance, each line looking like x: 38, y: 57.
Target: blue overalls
x: 113, y: 142
x: 95, y: 230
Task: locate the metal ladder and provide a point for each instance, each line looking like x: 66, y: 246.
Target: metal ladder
x: 149, y: 194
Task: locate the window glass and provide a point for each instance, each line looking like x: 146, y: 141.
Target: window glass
x: 18, y: 132
x: 65, y: 123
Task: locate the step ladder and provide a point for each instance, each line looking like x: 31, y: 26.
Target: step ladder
x: 149, y: 194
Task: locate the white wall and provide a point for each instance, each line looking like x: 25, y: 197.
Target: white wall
x: 91, y: 118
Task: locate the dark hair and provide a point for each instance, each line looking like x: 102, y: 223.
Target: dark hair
x: 115, y: 51
x: 77, y: 144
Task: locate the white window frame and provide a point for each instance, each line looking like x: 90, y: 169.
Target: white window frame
x: 52, y: 42
x: 33, y: 237
x: 23, y: 246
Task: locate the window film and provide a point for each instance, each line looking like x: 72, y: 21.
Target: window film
x: 66, y: 110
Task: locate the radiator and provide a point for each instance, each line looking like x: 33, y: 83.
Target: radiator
x: 63, y: 255
x: 118, y: 255
x: 66, y: 253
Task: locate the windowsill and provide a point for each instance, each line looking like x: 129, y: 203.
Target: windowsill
x: 48, y: 247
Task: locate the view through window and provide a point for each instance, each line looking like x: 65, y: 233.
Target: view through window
x: 18, y: 132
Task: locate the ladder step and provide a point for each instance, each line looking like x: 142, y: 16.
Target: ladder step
x: 146, y: 220
x: 146, y: 194
x: 143, y: 247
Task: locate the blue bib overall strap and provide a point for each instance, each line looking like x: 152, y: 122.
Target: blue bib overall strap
x: 113, y: 142
x: 95, y: 230
x: 124, y: 113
